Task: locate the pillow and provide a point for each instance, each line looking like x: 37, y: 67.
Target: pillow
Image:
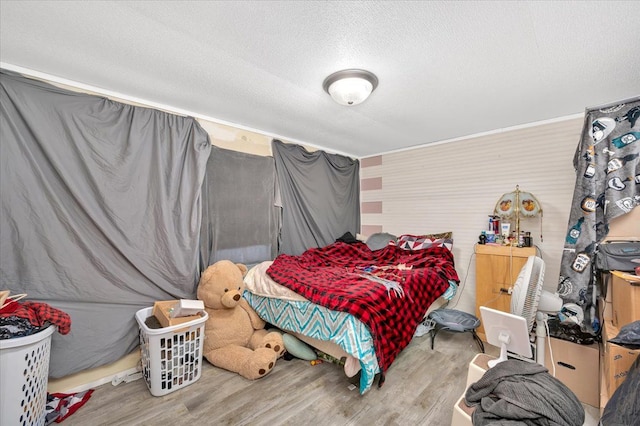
x: 298, y: 348
x: 380, y: 240
x: 258, y: 282
x: 438, y: 236
x: 348, y: 238
x: 414, y: 242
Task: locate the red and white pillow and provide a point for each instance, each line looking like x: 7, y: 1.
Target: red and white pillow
x: 418, y: 242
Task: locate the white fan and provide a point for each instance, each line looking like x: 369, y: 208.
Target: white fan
x: 529, y: 304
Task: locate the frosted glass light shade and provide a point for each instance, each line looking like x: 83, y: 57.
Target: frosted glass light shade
x: 350, y: 87
x: 350, y: 91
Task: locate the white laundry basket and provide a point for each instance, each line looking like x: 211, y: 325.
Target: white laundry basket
x: 24, y: 368
x: 171, y: 356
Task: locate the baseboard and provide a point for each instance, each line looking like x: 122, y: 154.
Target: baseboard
x: 90, y: 379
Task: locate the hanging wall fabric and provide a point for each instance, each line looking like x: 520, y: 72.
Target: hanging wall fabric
x: 100, y: 212
x: 607, y: 186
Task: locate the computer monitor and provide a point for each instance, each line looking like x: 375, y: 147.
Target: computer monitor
x: 507, y: 331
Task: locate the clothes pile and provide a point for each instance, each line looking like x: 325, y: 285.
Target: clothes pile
x: 19, y: 319
x: 520, y: 392
x: 62, y: 405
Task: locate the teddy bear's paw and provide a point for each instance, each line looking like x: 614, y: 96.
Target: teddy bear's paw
x: 260, y: 363
x: 276, y: 347
x: 263, y: 371
x: 274, y: 342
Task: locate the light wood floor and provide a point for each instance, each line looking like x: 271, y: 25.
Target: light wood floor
x: 420, y: 389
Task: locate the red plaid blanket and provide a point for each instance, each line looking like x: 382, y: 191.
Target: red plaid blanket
x: 349, y: 278
x: 38, y: 313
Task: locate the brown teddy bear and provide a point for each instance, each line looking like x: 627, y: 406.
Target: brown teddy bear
x: 235, y: 338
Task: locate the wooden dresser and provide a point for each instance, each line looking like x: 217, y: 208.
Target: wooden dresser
x: 497, y: 267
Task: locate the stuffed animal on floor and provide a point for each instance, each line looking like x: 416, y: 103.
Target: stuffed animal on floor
x: 235, y: 337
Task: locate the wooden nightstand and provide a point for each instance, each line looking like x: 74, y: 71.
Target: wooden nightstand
x: 497, y: 267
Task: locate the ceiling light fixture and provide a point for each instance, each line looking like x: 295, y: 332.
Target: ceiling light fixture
x: 350, y: 87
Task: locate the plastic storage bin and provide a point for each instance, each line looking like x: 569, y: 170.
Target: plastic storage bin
x: 171, y: 356
x: 24, y: 374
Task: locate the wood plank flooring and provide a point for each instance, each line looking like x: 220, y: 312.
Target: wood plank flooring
x: 420, y: 389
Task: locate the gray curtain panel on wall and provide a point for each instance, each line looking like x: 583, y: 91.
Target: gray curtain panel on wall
x: 240, y: 220
x: 607, y: 167
x: 319, y: 194
x: 100, y: 212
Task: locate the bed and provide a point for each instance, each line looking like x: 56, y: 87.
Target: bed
x: 364, y: 303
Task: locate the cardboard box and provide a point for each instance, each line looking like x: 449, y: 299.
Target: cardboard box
x: 625, y: 297
x: 162, y: 309
x: 603, y: 279
x: 604, y: 392
x: 605, y: 309
x: 577, y: 366
x: 617, y: 359
x: 607, y: 297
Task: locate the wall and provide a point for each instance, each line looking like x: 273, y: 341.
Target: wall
x: 454, y: 187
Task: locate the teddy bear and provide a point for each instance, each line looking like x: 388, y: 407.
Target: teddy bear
x: 235, y: 336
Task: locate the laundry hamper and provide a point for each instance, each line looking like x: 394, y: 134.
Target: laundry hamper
x: 171, y: 356
x: 24, y: 376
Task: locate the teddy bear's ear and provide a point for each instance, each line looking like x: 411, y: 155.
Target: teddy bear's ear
x: 243, y: 268
x: 207, y: 273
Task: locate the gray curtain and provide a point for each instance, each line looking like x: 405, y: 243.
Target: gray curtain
x: 100, y: 212
x: 607, y: 167
x: 319, y: 194
x: 240, y: 219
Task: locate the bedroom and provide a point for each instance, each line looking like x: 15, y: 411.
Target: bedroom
x: 465, y: 176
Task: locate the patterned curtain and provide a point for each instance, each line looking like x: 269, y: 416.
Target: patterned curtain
x: 607, y: 186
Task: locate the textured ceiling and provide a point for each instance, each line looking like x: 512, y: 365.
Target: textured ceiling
x: 447, y: 69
